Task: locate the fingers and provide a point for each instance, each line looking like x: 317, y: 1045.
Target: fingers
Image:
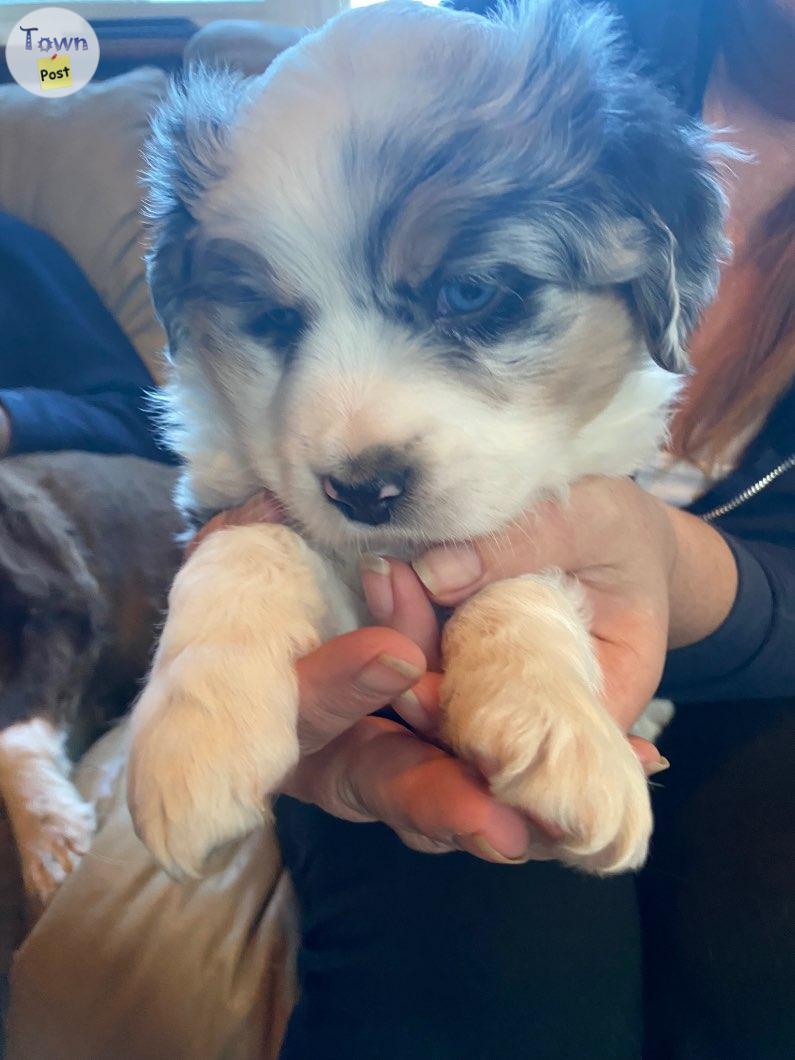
x: 378, y: 770
x: 262, y: 507
x: 631, y: 667
x: 419, y: 705
x: 396, y: 598
x: 650, y: 758
x: 572, y: 534
x: 538, y: 539
x: 351, y: 676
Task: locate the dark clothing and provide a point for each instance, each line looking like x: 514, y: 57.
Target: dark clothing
x: 416, y: 957
x: 716, y: 896
x: 69, y: 377
x: 751, y: 656
x: 406, y: 955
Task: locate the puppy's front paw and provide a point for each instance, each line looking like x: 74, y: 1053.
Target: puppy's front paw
x: 199, y: 776
x: 587, y: 783
x: 527, y: 710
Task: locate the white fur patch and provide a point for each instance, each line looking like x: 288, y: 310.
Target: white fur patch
x: 52, y: 825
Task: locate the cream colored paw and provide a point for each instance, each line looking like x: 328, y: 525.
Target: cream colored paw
x: 215, y: 730
x: 520, y: 698
x: 579, y: 776
x: 198, y: 780
x: 592, y: 788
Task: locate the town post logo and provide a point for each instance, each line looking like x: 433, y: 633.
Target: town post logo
x: 52, y: 52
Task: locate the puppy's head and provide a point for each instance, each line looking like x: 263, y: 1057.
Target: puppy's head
x: 428, y: 266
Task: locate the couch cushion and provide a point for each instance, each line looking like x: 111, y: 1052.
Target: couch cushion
x: 244, y: 45
x: 71, y: 168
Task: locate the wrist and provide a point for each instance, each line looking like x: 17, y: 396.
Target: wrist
x: 702, y: 580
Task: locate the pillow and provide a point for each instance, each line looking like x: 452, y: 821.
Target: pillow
x: 125, y: 963
x: 247, y: 46
x: 71, y: 168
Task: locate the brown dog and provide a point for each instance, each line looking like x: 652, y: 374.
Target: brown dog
x: 87, y: 551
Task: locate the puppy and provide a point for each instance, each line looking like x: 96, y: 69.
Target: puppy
x: 426, y: 270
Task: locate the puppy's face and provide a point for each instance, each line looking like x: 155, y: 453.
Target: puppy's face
x: 427, y: 267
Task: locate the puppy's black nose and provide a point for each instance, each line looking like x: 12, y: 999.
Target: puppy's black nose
x: 368, y: 500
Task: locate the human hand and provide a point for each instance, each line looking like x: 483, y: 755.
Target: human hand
x: 654, y: 577
x: 650, y: 574
x: 363, y: 768
x: 396, y: 597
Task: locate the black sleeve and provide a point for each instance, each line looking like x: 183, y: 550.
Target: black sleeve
x: 69, y: 376
x: 752, y: 654
x: 110, y: 421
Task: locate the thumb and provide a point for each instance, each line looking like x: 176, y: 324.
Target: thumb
x: 352, y: 676
x: 396, y: 598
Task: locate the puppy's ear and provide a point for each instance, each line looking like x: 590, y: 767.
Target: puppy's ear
x: 185, y: 154
x: 656, y: 165
x: 671, y: 179
x: 655, y: 295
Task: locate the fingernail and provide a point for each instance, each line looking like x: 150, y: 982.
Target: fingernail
x: 657, y: 767
x: 448, y: 570
x: 480, y: 847
x: 377, y: 585
x: 411, y: 710
x: 387, y: 675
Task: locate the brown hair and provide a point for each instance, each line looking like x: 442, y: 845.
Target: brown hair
x: 749, y: 359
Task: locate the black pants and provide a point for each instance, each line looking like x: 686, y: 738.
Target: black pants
x: 718, y: 894
x: 408, y: 955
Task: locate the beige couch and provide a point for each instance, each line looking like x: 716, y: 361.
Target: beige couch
x: 126, y: 963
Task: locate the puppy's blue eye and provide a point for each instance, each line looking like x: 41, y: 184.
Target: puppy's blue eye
x: 466, y: 294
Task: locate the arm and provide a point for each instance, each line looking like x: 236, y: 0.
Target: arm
x: 748, y: 655
x: 69, y: 376
x: 108, y: 421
